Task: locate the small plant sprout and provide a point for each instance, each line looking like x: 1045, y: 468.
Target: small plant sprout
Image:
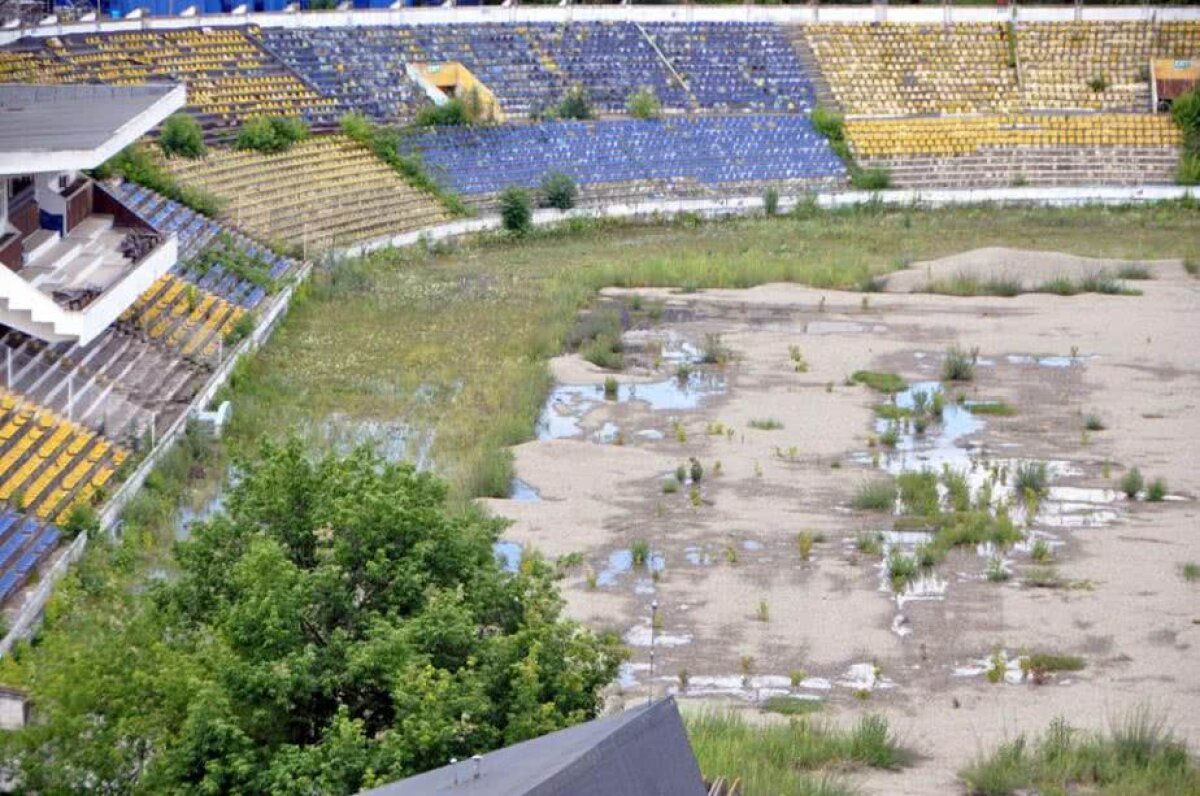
x: 1156, y: 492
x: 684, y: 677
x: 799, y: 364
x: 1132, y: 483
x: 862, y: 694
x: 869, y: 543
x: 694, y: 497
x: 998, y: 666
x: 683, y: 371
x: 805, y: 542
x: 890, y: 437
x: 680, y: 433
x: 610, y: 388
x: 747, y: 666
x: 763, y: 614
x: 696, y: 470
x: 1040, y: 551
x: 1092, y: 422
x: 797, y: 677
x: 731, y: 554
x: 640, y: 551
x: 1190, y: 571
x: 996, y: 572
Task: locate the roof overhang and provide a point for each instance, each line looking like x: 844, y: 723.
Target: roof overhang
x: 72, y: 127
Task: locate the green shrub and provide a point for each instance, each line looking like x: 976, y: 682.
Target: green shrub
x: 81, y: 519
x: 453, y: 113
x: 765, y: 424
x: 1031, y: 477
x: 644, y: 104
x: 604, y: 351
x: 575, y: 104
x: 271, y: 134
x: 1156, y: 491
x: 828, y: 123
x: 873, y: 179
x: 1098, y: 84
x: 959, y: 365
x: 181, y: 135
x: 241, y: 329
x: 875, y: 495
x: 771, y: 201
x: 516, y: 210
x: 559, y: 191
x: 357, y: 126
x: 1132, y: 483
x: 1188, y: 172
x: 1185, y: 110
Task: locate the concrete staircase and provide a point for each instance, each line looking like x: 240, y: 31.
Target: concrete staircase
x: 806, y: 56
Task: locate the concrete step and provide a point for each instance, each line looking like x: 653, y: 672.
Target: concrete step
x: 92, y: 227
x: 38, y: 242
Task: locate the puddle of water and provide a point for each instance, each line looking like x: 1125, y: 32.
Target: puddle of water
x: 697, y: 556
x: 939, y: 445
x: 607, y: 434
x: 523, y: 492
x: 569, y: 403
x: 751, y: 545
x: 620, y: 562
x: 508, y: 554
x: 1048, y: 361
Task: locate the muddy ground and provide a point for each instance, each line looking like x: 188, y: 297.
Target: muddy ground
x: 747, y: 617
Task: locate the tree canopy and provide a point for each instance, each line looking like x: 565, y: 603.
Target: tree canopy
x: 335, y: 627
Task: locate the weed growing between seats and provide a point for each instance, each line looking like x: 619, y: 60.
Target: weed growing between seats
x: 455, y: 338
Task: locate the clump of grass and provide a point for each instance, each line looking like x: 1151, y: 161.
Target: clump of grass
x: 875, y: 494
x: 892, y: 411
x: 640, y: 550
x: 695, y: 470
x: 1138, y: 754
x: 1040, y: 551
x: 902, y: 570
x: 890, y: 437
x: 993, y: 409
x: 791, y: 706
x: 801, y: 756
x: 966, y: 285
x: 763, y: 612
x: 1044, y: 578
x: 1134, y: 271
x: 610, y: 388
x: 681, y: 473
x: 919, y: 493
x: 995, y: 572
x: 958, y: 488
x: 1031, y: 478
x: 879, y: 381
x: 1092, y: 422
x: 1132, y: 483
x: 714, y: 352
x: 799, y: 363
x: 1038, y: 666
x: 869, y: 543
x: 1190, y: 571
x: 766, y: 424
x: 1156, y: 491
x: 959, y: 364
x: 604, y: 352
x: 670, y: 487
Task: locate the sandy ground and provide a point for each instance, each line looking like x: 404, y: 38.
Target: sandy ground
x: 1029, y: 268
x: 1130, y: 614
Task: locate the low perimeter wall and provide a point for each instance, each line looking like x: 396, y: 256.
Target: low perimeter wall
x: 35, y: 603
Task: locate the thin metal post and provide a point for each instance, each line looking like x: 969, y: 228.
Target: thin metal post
x: 653, y: 630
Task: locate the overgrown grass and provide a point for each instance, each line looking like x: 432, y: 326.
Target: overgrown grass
x: 878, y: 381
x: 967, y: 285
x: 766, y: 424
x: 791, y: 706
x: 959, y: 364
x: 1137, y: 755
x: 875, y: 494
x: 448, y: 343
x: 993, y: 408
x: 801, y: 756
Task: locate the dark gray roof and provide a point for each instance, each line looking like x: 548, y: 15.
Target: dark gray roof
x: 72, y: 116
x: 642, y: 751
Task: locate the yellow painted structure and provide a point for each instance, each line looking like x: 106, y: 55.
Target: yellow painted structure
x: 455, y: 80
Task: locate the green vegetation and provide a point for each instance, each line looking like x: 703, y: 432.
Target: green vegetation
x: 1031, y: 477
x: 271, y: 134
x: 965, y: 285
x: 558, y: 191
x: 765, y: 424
x: 440, y: 345
x: 1101, y: 282
x: 639, y: 551
x: 242, y: 328
x: 873, y: 179
x: 453, y: 113
x: 1137, y: 755
x: 771, y: 201
x: 1185, y: 110
x: 388, y: 146
x: 575, y: 104
x: 516, y: 211
x: 959, y: 364
x: 1190, y: 571
x: 791, y: 706
x: 136, y: 164
x: 869, y: 543
x: 803, y: 756
x: 993, y: 409
x: 1132, y: 483
x: 644, y: 104
x: 1156, y: 491
x: 875, y: 494
x: 1092, y: 422
x: 1039, y: 664
x: 1134, y: 271
x: 181, y: 135
x: 233, y: 258
x: 880, y: 382
x: 287, y: 656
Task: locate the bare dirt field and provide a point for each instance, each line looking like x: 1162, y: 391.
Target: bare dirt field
x: 784, y: 439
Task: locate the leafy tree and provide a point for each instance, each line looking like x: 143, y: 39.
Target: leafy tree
x: 559, y: 191
x: 644, y: 104
x: 181, y: 135
x: 575, y: 104
x: 516, y: 210
x: 337, y: 627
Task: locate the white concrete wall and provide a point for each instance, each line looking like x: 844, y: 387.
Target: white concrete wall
x: 923, y: 15
x: 12, y: 710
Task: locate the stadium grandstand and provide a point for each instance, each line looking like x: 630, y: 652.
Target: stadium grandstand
x: 120, y: 295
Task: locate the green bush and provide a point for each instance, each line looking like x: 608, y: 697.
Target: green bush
x: 181, y: 135
x: 771, y: 201
x: 559, y: 191
x: 357, y: 126
x: 1188, y: 171
x: 271, y: 134
x: 828, y: 123
x: 644, y: 104
x: 450, y: 114
x: 136, y: 164
x: 516, y: 210
x: 875, y: 179
x: 81, y: 519
x: 575, y: 104
x: 1185, y: 110
x: 241, y: 329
